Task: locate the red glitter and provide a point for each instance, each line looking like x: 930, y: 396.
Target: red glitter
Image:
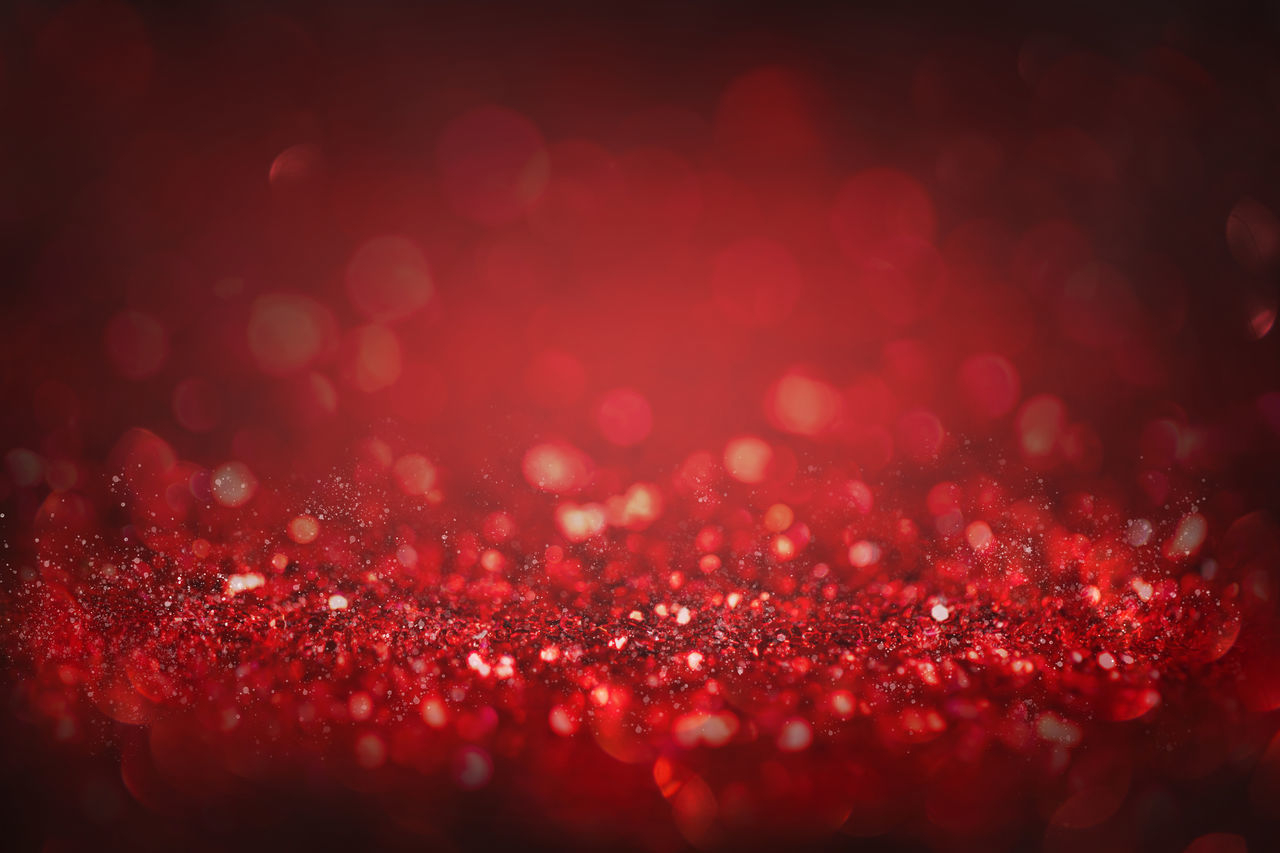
x: 705, y: 474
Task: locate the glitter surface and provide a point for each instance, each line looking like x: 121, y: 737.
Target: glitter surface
x: 529, y: 456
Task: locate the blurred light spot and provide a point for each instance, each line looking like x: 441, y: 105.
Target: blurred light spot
x: 1138, y: 532
x: 624, y: 417
x: 493, y: 164
x: 388, y: 279
x: 1187, y: 539
x: 747, y: 459
x: 373, y: 357
x: 1040, y: 423
x: 304, y: 529
x: 878, y: 207
x: 1253, y: 235
x: 434, y: 713
x: 863, y: 553
x: 196, y: 405
x: 294, y: 166
x: 801, y: 405
x: 238, y: 583
x: 1218, y: 842
x: 795, y: 736
x: 562, y: 721
x: 136, y: 344
x: 769, y: 116
x: 25, y: 466
x: 414, y: 473
x: 920, y: 435
x: 1262, y: 319
x: 287, y: 332
x: 472, y: 768
x: 989, y: 384
x: 979, y: 536
x: 756, y: 282
x: 580, y: 523
x: 556, y: 467
x: 555, y: 379
x: 371, y: 752
x: 233, y: 484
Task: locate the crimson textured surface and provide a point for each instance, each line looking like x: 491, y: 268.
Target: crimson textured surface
x: 655, y: 428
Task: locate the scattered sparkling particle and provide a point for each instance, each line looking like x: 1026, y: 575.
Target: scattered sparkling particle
x: 940, y: 613
x: 337, y: 601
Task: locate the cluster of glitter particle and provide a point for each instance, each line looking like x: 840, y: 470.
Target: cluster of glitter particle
x: 711, y: 473
x: 372, y: 616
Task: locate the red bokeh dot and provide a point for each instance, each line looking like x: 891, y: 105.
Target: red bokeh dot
x: 624, y: 417
x: 756, y: 282
x: 989, y: 384
x: 136, y: 344
x: 556, y: 467
x: 493, y: 164
x: 877, y: 207
x: 388, y: 278
x: 747, y: 459
x: 287, y: 332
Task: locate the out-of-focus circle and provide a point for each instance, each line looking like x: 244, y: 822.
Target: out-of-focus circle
x: 294, y: 166
x: 1040, y: 425
x: 756, y: 282
x: 920, y: 436
x: 304, y: 529
x: 555, y: 379
x: 1253, y: 235
x: 877, y: 207
x: 287, y: 332
x: 769, y: 116
x: 493, y: 163
x: 802, y: 405
x: 414, y: 473
x: 989, y: 384
x: 196, y: 405
x: 388, y: 278
x: 747, y: 459
x: 556, y: 467
x: 373, y: 360
x: 233, y: 484
x: 624, y: 417
x: 136, y: 344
